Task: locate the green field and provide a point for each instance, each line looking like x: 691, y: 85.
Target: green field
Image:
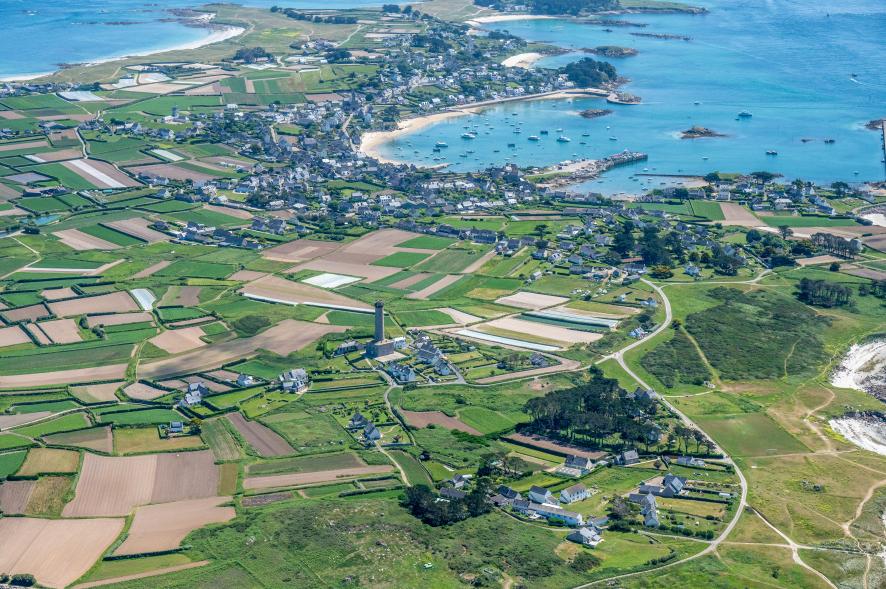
x: 138, y: 417
x: 196, y: 269
x: 427, y: 242
x: 451, y: 261
x: 751, y: 434
x: 401, y: 259
x: 111, y: 235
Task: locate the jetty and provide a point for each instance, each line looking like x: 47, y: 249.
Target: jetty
x: 573, y: 172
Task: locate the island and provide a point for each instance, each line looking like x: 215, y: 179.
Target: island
x: 698, y: 132
x: 611, y: 51
x: 593, y: 113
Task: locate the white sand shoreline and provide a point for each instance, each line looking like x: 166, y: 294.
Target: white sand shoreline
x: 371, y: 142
x: 219, y: 33
x: 523, y: 60
x: 482, y: 20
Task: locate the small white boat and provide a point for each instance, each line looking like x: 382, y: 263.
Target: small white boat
x: 563, y: 139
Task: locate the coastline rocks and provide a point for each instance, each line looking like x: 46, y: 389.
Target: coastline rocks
x: 593, y: 113
x: 697, y: 132
x: 611, y: 51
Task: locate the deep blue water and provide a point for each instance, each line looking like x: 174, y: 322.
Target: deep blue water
x: 36, y: 36
x: 788, y: 62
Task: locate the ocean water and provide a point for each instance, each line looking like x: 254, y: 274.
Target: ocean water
x: 805, y: 70
x: 37, y: 36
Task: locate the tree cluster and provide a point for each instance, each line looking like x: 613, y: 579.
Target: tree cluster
x: 571, y: 7
x: 592, y: 411
x: 252, y: 54
x: 335, y: 19
x: 424, y: 503
x: 588, y: 72
x: 834, y: 244
x: 823, y: 293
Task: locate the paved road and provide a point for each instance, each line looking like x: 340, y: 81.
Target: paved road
x: 619, y: 357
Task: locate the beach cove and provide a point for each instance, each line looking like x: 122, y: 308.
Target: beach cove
x: 799, y: 89
x: 38, y: 37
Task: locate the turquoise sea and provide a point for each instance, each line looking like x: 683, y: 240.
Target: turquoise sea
x: 37, y: 36
x: 805, y: 70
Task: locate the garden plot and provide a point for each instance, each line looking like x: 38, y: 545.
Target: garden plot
x: 56, y: 552
x: 143, y: 392
x: 506, y: 341
x: 119, y: 319
x: 176, y: 341
x: 110, y: 486
x: 95, y: 438
x: 247, y: 275
x: 10, y: 421
x: 96, y: 393
x: 300, y: 250
x: 161, y: 527
x: 264, y: 440
x: 100, y: 174
x: 534, y: 329
x: 167, y: 155
x: 735, y: 214
x: 14, y: 496
x: 284, y: 338
x: 173, y: 172
x: 409, y: 281
x: 138, y: 228
x: 460, y: 316
x: 61, y: 331
x: 13, y: 336
x: 37, y: 333
x: 531, y: 300
x: 114, y: 302
x: 327, y: 280
x: 230, y: 211
x: 49, y: 460
x: 422, y: 419
x: 307, y: 478
x: 152, y: 269
x: 55, y: 294
x: 279, y: 290
x: 40, y: 379
x: 434, y: 288
x: 184, y: 296
x: 29, y: 313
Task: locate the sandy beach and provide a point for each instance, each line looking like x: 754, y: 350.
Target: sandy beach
x: 523, y: 60
x: 482, y: 20
x: 218, y: 33
x: 371, y: 142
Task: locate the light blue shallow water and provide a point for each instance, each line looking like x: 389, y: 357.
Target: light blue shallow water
x: 37, y: 36
x: 788, y: 62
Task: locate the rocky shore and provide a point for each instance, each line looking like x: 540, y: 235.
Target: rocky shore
x: 697, y: 132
